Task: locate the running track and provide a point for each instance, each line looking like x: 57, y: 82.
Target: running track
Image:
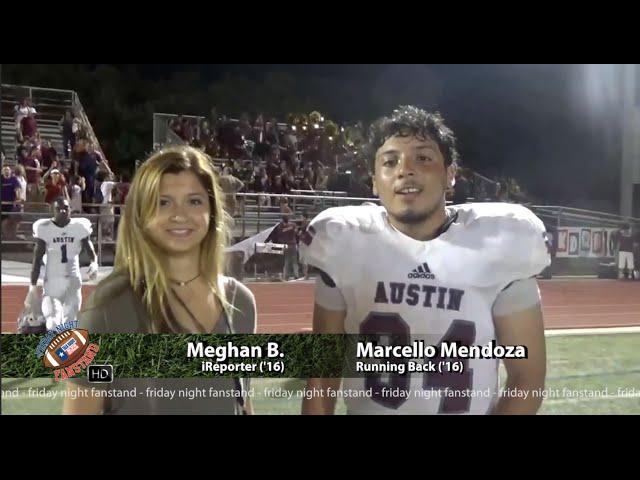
x: 288, y: 307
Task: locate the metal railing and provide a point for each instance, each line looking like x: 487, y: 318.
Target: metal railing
x: 95, y: 218
x: 44, y: 97
x: 15, y: 93
x: 80, y: 112
x: 259, y: 211
x: 250, y: 222
x: 161, y: 130
x: 483, y: 188
x: 566, y: 216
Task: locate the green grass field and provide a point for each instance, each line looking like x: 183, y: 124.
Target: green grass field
x: 577, y: 366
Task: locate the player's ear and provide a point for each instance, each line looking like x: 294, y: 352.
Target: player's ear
x: 451, y: 175
x: 375, y: 189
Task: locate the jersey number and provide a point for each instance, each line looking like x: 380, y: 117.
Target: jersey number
x: 461, y: 332
x: 64, y: 253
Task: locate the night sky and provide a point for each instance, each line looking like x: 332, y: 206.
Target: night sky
x: 555, y: 128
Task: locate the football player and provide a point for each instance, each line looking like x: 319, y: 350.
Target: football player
x: 62, y: 239
x: 415, y: 268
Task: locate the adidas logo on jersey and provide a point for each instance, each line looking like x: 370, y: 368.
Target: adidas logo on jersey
x: 422, y: 272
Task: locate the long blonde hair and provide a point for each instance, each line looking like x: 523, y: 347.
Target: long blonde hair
x: 141, y: 260
x: 20, y: 171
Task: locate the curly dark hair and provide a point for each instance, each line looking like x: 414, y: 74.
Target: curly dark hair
x: 408, y: 120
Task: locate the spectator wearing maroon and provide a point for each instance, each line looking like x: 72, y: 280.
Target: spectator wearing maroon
x: 29, y: 126
x: 66, y: 173
x: 48, y: 156
x: 20, y: 112
x: 286, y: 233
x: 79, y: 149
x: 32, y: 167
x: 187, y: 130
x: 55, y: 186
x: 122, y: 189
x: 119, y: 194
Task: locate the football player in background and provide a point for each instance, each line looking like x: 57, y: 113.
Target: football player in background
x: 62, y: 239
x: 416, y: 268
x: 626, y: 263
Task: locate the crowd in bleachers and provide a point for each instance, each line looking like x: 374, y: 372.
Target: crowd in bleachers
x: 307, y: 153
x: 79, y: 173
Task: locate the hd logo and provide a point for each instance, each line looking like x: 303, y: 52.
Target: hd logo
x: 422, y: 272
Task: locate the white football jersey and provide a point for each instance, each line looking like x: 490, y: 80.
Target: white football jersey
x: 437, y: 290
x: 63, y: 246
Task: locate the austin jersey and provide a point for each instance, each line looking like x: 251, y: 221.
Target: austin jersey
x: 440, y: 290
x: 63, y: 246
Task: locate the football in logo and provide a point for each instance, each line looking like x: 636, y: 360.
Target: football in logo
x: 66, y: 348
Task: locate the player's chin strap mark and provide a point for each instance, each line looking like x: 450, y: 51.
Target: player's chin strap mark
x: 327, y: 280
x: 447, y: 224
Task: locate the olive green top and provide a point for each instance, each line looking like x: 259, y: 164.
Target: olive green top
x: 114, y: 307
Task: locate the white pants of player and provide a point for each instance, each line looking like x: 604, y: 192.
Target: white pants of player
x: 625, y: 260
x: 61, y: 300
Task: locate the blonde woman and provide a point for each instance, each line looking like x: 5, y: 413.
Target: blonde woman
x: 168, y: 278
